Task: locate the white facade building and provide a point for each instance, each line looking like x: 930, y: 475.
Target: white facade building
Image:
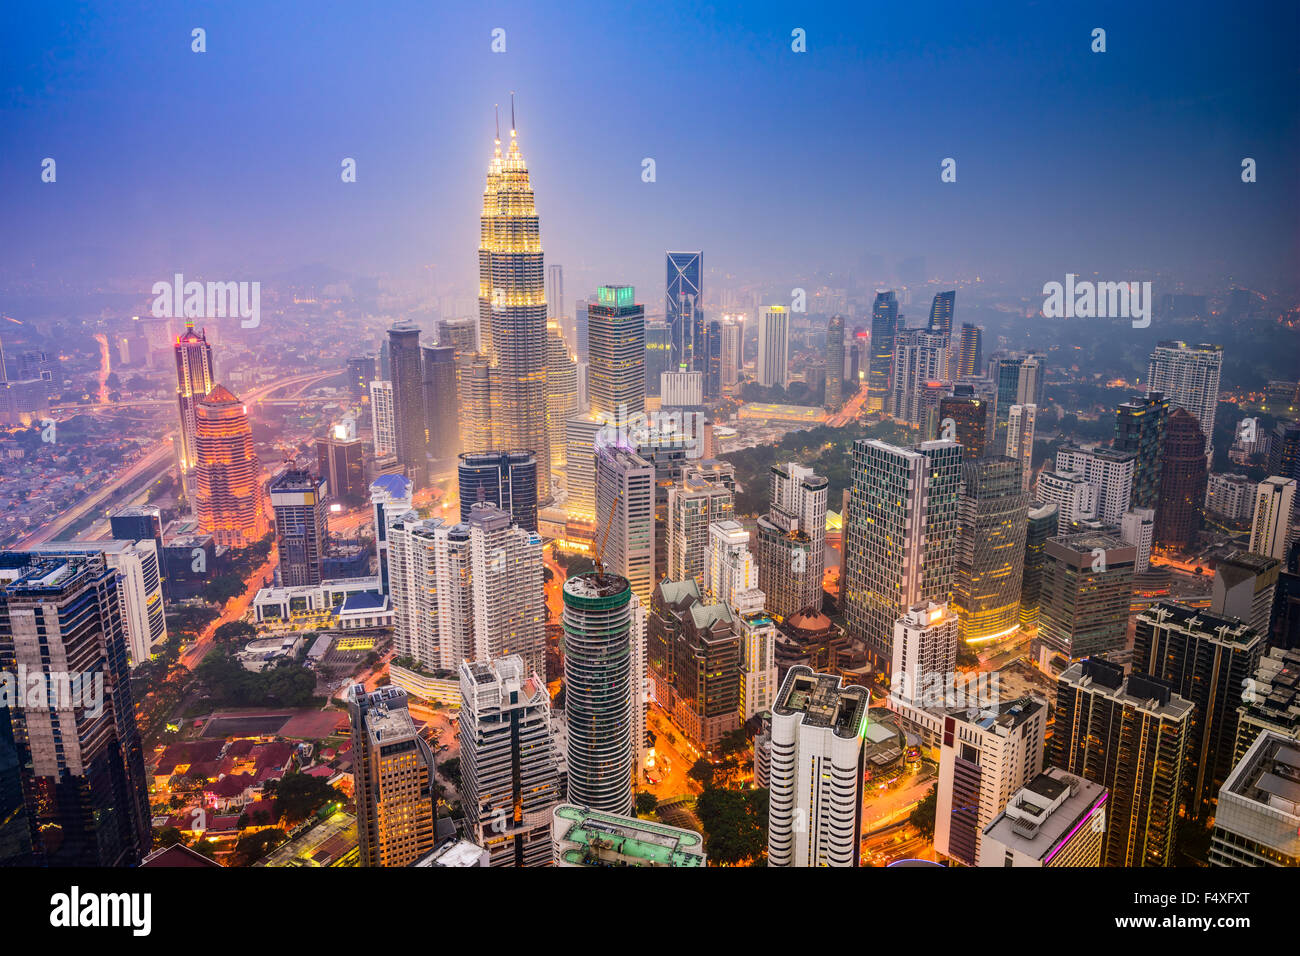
x: 383, y: 419
x: 774, y: 346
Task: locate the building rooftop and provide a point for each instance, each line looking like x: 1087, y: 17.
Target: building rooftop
x: 823, y: 702
x: 608, y: 839
x: 1045, y: 813
x: 1269, y: 774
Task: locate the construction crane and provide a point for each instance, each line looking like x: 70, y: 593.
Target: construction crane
x: 609, y: 523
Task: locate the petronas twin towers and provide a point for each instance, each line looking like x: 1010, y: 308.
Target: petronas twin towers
x: 512, y: 316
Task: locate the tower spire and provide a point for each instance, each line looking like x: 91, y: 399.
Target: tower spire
x: 496, y: 109
x: 512, y: 114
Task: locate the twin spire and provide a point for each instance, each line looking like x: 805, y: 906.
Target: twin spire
x: 514, y: 146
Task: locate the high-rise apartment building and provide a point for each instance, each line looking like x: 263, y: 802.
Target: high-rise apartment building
x: 1073, y: 496
x: 730, y: 570
x: 990, y: 549
x: 1086, y: 592
x: 509, y: 597
x: 507, y: 479
x: 390, y: 498
x: 512, y: 309
x: 301, y: 526
x: 393, y: 776
x: 774, y: 346
x: 1109, y: 471
x: 1230, y: 497
x: 835, y: 362
x: 599, y: 629
x: 1208, y: 660
x: 792, y: 540
x: 685, y: 293
x: 231, y: 496
x: 920, y: 358
x: 1137, y: 527
x: 76, y: 754
x: 1140, y: 430
x: 509, y: 759
x: 1271, y: 533
x: 679, y: 388
x: 195, y: 377
x: 900, y: 535
x: 625, y: 501
x: 815, y: 791
x: 383, y: 420
x: 1188, y: 376
x: 1021, y: 422
x: 430, y: 572
x: 941, y: 310
x: 926, y: 639
x: 616, y: 346
x: 1130, y: 735
x: 694, y: 503
x: 985, y: 757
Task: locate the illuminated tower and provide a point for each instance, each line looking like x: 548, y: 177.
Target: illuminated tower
x: 193, y: 381
x: 685, y: 320
x: 884, y: 323
x: 512, y: 306
x: 230, y: 495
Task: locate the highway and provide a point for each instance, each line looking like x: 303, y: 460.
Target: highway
x: 152, y: 465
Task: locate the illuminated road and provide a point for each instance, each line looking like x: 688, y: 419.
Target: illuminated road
x: 153, y: 464
x: 234, y: 610
x: 851, y: 411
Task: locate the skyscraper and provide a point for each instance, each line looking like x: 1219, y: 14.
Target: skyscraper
x: 970, y: 421
x: 990, y: 549
x: 792, y: 540
x: 693, y: 650
x: 817, y: 741
x: 393, y: 774
x: 1188, y: 376
x: 730, y: 571
x: 1182, y: 481
x: 390, y: 498
x: 459, y: 335
x: 941, y: 312
x: 1107, y: 470
x: 1140, y: 429
x: 693, y: 504
x: 984, y: 759
x: 685, y: 294
x: 625, y: 503
x: 507, y: 479
x: 194, y: 379
x: 616, y: 343
x: 231, y: 496
x: 900, y: 535
x: 884, y: 323
x: 561, y: 393
x: 713, y: 362
x: 77, y: 748
x: 970, y: 357
x: 301, y: 529
x: 430, y: 568
x: 408, y: 401
x: 478, y: 401
x: 774, y: 346
x: 441, y: 408
x: 1271, y: 533
x: 1257, y: 822
x: 382, y: 421
x: 920, y: 357
x: 1087, y: 588
x: 926, y: 638
x: 1040, y: 524
x: 1021, y: 423
x: 341, y: 463
x: 510, y: 761
x: 732, y: 351
x: 509, y: 597
x: 1131, y: 736
x: 1208, y: 660
x: 658, y: 348
x: 1017, y: 380
x: 598, y: 682
x: 512, y: 307
x: 555, y: 299
x: 835, y: 362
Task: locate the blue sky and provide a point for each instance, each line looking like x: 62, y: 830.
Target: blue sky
x: 227, y: 163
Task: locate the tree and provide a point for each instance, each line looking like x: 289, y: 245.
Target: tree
x: 733, y: 742
x: 223, y: 587
x: 166, y: 836
x: 299, y: 795
x: 735, y: 825
x: 702, y: 772
x: 923, y: 816
x: 254, y: 846
x: 451, y: 770
x: 233, y: 632
x: 646, y: 802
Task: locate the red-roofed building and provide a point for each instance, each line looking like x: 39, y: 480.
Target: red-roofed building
x: 230, y: 792
x: 178, y: 854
